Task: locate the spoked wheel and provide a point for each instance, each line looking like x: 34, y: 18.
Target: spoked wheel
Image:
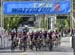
x: 25, y: 46
x: 12, y: 47
x: 50, y: 46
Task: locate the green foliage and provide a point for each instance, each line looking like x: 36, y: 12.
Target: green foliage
x: 67, y: 23
x: 11, y: 22
x: 44, y: 22
x: 63, y: 23
x: 73, y: 0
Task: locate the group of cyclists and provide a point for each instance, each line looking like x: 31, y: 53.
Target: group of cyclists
x: 35, y: 40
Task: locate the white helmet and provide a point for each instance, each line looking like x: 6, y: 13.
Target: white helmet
x: 30, y: 31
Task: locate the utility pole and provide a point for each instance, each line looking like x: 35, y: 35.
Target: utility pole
x: 2, y: 19
x: 72, y: 15
x: 2, y: 22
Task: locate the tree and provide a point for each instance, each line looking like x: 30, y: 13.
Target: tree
x: 44, y: 22
x: 63, y: 23
x: 11, y: 22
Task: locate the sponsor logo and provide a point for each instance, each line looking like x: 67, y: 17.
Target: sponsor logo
x: 36, y: 5
x: 57, y: 7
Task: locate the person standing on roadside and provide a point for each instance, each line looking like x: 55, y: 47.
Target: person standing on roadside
x: 73, y: 40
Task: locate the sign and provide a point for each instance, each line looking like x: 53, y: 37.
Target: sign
x: 37, y: 7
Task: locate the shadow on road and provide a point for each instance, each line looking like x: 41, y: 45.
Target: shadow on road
x: 55, y: 49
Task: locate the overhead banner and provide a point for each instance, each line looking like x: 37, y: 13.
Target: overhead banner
x: 63, y: 7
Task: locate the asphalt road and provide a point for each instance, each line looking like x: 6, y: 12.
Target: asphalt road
x: 63, y: 49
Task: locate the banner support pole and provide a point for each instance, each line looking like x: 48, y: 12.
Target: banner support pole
x: 71, y: 16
